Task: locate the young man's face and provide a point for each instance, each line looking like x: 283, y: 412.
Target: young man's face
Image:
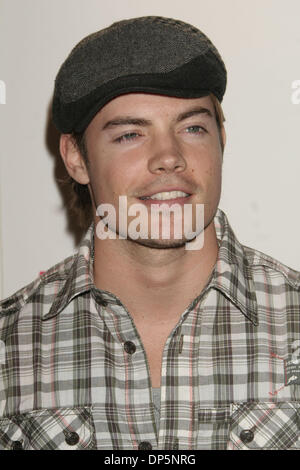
x: 141, y: 145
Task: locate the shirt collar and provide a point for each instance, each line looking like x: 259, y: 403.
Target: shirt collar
x: 232, y: 274
x: 79, y: 278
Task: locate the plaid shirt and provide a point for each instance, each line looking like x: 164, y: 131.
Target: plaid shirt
x: 74, y: 374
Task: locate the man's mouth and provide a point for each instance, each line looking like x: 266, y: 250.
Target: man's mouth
x: 165, y: 196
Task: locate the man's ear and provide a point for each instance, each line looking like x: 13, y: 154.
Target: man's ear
x: 73, y: 159
x: 223, y: 136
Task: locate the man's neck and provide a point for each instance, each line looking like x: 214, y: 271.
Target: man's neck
x: 154, y: 280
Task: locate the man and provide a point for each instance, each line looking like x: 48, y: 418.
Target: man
x: 149, y: 342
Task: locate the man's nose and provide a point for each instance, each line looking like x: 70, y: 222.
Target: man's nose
x: 166, y: 155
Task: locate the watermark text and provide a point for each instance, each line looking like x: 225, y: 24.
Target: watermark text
x: 2, y: 92
x: 159, y: 221
x: 295, y: 97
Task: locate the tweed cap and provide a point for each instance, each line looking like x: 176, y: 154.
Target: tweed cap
x: 148, y: 54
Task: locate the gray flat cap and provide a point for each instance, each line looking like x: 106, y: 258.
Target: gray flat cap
x: 149, y: 54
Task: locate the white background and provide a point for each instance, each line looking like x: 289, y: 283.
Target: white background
x: 260, y: 44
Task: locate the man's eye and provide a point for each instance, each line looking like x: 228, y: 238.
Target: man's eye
x: 195, y: 129
x: 127, y: 137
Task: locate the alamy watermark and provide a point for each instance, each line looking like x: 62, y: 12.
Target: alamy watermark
x: 2, y: 92
x: 295, y: 97
x: 167, y: 222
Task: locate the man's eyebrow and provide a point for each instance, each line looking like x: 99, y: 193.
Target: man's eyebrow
x: 135, y: 121
x: 125, y: 121
x: 194, y: 112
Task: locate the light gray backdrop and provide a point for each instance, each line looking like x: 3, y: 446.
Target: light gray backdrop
x: 260, y: 43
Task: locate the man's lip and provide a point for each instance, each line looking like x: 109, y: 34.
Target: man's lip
x: 180, y: 200
x: 165, y: 190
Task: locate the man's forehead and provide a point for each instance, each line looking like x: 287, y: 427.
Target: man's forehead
x: 146, y: 103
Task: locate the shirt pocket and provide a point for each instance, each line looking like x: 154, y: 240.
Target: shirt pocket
x: 259, y: 426
x: 55, y: 429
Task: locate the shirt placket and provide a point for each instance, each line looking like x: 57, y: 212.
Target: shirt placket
x: 135, y: 413
x: 179, y: 386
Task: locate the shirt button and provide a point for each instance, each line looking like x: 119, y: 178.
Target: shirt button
x: 247, y: 436
x: 17, y: 445
x: 145, y: 445
x: 72, y: 438
x: 129, y: 347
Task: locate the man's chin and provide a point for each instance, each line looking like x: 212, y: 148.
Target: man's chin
x: 160, y: 244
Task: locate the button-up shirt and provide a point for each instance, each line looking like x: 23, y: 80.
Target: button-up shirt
x: 74, y: 373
